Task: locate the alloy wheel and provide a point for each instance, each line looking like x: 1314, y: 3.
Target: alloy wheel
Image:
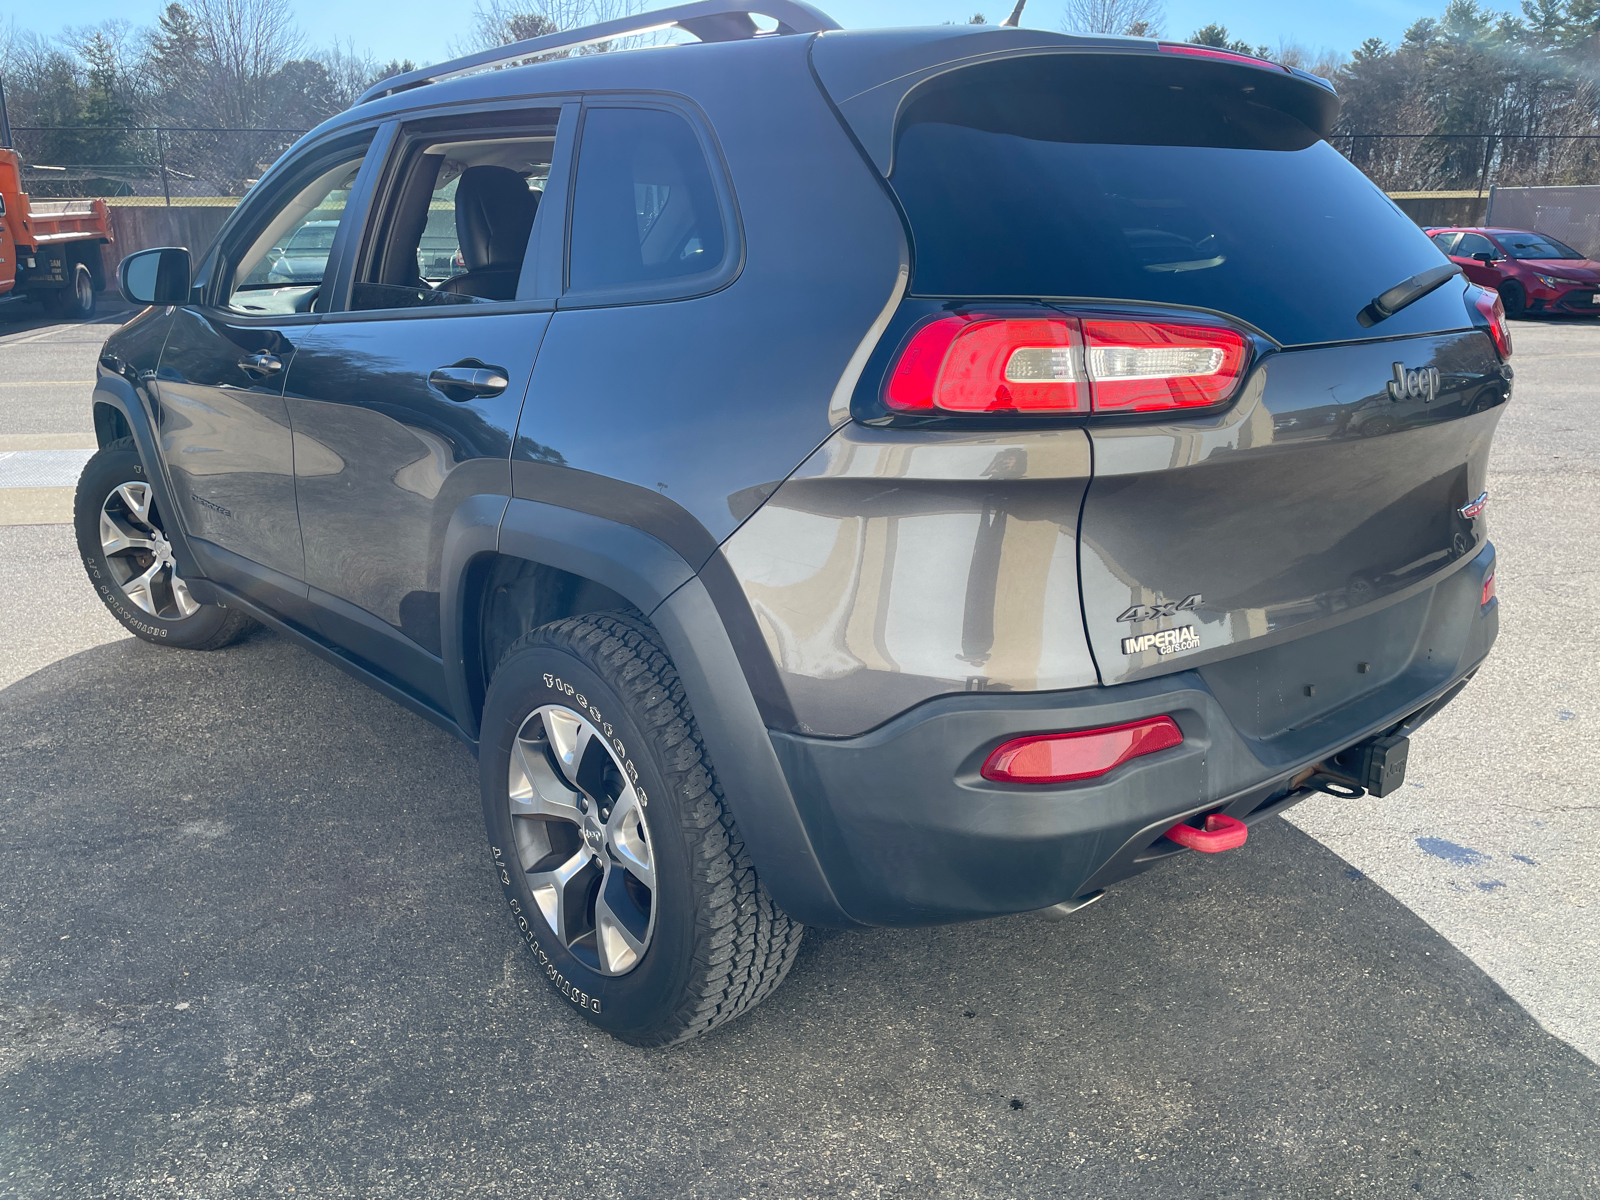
x: 139, y: 554
x: 582, y: 839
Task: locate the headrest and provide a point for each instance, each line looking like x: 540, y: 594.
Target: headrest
x: 494, y: 215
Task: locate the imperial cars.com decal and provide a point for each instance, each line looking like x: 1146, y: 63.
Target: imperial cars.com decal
x: 1166, y: 641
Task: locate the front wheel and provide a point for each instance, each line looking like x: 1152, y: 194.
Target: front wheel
x: 1513, y: 299
x: 624, y: 871
x: 123, y: 542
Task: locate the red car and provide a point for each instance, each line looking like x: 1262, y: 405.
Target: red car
x: 1532, y: 271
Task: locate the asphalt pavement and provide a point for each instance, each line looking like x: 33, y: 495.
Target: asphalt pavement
x: 250, y: 944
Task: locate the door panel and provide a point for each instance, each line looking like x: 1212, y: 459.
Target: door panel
x: 384, y: 457
x: 226, y: 438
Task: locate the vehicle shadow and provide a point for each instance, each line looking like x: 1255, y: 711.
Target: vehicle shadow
x: 249, y: 940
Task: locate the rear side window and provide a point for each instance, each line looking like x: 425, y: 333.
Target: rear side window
x: 1444, y: 240
x: 1130, y: 177
x: 644, y: 210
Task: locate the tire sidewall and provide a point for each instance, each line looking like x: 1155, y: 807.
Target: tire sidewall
x: 81, y: 305
x: 1514, y: 299
x: 107, y: 470
x: 643, y: 998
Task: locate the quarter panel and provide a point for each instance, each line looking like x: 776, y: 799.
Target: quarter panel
x: 899, y: 565
x: 711, y: 402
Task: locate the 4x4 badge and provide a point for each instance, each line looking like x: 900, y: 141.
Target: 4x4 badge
x: 1161, y: 608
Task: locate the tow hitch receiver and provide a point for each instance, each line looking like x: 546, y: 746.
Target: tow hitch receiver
x: 1221, y: 833
x: 1382, y: 765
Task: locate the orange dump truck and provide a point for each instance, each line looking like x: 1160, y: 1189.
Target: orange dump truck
x: 50, y: 249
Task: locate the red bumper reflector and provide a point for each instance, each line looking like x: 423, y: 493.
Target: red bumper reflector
x: 1488, y: 590
x: 1221, y: 833
x: 1063, y: 757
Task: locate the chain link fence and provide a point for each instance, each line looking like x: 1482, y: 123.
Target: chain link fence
x: 1568, y: 214
x: 167, y: 165
x: 1454, y: 162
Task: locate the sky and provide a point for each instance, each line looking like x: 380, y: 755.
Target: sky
x: 424, y: 29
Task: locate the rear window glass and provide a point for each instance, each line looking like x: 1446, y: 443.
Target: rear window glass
x: 1202, y: 198
x: 644, y: 209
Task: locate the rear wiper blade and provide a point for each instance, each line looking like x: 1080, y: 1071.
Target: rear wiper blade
x: 1407, y: 291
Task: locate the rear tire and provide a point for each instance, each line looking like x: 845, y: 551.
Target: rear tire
x: 75, y: 301
x: 623, y: 868
x: 123, y: 544
x: 1513, y: 299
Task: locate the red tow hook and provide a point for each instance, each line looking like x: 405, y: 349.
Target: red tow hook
x: 1221, y: 833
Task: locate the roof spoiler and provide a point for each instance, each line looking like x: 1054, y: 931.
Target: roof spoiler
x: 708, y: 20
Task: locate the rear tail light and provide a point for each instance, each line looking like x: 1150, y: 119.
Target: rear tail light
x: 1488, y: 590
x: 977, y: 363
x: 1488, y: 303
x: 1063, y: 757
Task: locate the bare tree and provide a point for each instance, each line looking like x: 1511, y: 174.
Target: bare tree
x: 1325, y: 63
x: 1138, y: 18
x: 350, y: 72
x: 500, y: 22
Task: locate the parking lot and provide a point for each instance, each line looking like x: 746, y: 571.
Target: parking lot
x: 250, y: 944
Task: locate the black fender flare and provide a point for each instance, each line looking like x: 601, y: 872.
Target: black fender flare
x: 116, y: 392
x: 655, y: 578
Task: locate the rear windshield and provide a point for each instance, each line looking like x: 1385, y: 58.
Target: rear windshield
x: 1201, y: 197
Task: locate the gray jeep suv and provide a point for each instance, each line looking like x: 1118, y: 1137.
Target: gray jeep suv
x: 829, y: 478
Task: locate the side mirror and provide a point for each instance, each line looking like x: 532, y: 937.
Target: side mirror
x: 159, y: 276
x: 1487, y: 256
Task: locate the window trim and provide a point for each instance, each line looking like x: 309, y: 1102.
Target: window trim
x: 688, y: 287
x: 371, y: 140
x: 387, y: 176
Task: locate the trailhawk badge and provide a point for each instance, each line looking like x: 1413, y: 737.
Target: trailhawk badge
x: 1167, y: 641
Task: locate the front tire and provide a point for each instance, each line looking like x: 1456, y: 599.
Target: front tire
x: 123, y: 543
x: 1513, y: 299
x: 624, y: 871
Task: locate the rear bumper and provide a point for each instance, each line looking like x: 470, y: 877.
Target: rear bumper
x: 909, y: 833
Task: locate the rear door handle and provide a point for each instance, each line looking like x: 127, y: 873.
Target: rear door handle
x: 261, y: 365
x: 469, y: 381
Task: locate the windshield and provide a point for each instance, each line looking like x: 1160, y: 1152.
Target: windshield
x: 1535, y: 245
x: 316, y: 236
x: 1030, y: 187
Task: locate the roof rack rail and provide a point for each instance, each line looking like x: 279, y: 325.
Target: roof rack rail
x: 708, y: 20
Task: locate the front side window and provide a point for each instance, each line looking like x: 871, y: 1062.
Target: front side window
x: 280, y: 267
x: 457, y: 228
x: 644, y: 210
x: 1474, y: 243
